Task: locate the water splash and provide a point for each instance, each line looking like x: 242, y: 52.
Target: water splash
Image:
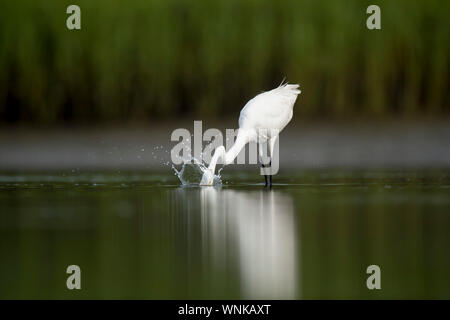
x: 192, y: 171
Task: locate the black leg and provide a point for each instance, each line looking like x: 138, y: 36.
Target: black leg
x: 270, y: 176
x: 265, y: 177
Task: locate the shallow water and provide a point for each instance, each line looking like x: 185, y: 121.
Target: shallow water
x: 142, y: 235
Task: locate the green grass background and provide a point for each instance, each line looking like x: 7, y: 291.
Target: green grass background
x: 154, y: 59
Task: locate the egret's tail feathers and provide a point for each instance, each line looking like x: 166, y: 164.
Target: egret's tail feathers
x: 287, y: 92
x: 290, y: 88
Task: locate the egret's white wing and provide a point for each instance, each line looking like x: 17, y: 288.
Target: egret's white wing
x: 271, y: 109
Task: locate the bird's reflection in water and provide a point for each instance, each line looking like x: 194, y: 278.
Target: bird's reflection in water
x: 260, y: 226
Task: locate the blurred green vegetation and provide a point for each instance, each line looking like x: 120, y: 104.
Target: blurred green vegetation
x: 153, y: 59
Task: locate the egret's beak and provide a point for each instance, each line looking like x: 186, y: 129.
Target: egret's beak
x: 207, y: 178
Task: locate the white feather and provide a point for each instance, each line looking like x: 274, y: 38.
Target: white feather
x: 271, y: 109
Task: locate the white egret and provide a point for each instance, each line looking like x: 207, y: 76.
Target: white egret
x: 261, y: 120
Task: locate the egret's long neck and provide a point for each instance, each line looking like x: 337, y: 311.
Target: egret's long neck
x: 228, y: 157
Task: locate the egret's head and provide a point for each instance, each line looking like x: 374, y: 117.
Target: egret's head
x: 207, y: 178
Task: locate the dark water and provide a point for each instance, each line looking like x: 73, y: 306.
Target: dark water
x: 144, y: 236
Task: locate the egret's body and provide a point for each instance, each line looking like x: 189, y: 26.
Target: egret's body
x: 261, y: 120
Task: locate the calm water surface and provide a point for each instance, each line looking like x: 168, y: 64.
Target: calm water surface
x: 141, y: 235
